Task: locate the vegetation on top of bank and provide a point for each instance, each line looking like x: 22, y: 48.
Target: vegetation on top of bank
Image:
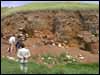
x: 47, y: 6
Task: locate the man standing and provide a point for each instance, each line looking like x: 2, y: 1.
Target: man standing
x: 12, y: 41
x: 23, y: 54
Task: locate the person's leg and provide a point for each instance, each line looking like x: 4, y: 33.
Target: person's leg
x: 21, y: 66
x: 9, y: 48
x: 12, y: 50
x: 15, y: 49
x: 25, y: 67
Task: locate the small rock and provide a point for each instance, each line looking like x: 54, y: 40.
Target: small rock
x: 79, y: 35
x: 49, y: 58
x: 74, y: 60
x: 68, y: 56
x: 20, y: 29
x: 81, y: 57
x: 59, y: 45
x: 21, y: 35
x: 53, y: 44
x: 27, y: 35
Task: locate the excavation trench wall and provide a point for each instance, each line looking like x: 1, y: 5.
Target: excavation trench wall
x: 64, y: 24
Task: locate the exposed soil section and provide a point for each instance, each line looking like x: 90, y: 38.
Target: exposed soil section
x: 74, y: 30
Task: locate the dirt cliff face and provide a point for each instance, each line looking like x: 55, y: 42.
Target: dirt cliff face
x: 63, y: 24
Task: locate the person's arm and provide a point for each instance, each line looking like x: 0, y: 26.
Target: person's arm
x: 14, y: 40
x: 28, y: 55
x: 19, y: 55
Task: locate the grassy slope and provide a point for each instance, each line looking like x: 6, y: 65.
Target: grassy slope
x: 10, y: 67
x: 38, y: 6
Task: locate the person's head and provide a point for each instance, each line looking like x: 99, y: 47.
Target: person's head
x: 22, y: 45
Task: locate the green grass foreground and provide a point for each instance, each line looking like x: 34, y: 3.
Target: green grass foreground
x: 46, y: 6
x: 11, y: 67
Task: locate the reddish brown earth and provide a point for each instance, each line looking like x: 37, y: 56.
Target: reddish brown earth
x: 88, y: 56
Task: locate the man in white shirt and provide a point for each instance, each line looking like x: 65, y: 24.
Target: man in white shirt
x: 23, y: 54
x: 12, y: 41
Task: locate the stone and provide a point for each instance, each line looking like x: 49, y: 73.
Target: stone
x: 26, y: 35
x: 81, y: 58
x: 59, y: 45
x: 21, y: 35
x: 80, y: 55
x: 53, y: 44
x: 21, y: 29
x: 80, y: 36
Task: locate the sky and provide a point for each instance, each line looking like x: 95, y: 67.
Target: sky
x: 20, y: 3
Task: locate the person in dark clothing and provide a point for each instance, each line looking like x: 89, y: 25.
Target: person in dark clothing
x: 19, y: 43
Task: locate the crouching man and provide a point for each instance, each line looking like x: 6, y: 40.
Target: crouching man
x: 23, y: 54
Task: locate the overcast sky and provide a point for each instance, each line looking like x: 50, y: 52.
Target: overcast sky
x: 20, y: 3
